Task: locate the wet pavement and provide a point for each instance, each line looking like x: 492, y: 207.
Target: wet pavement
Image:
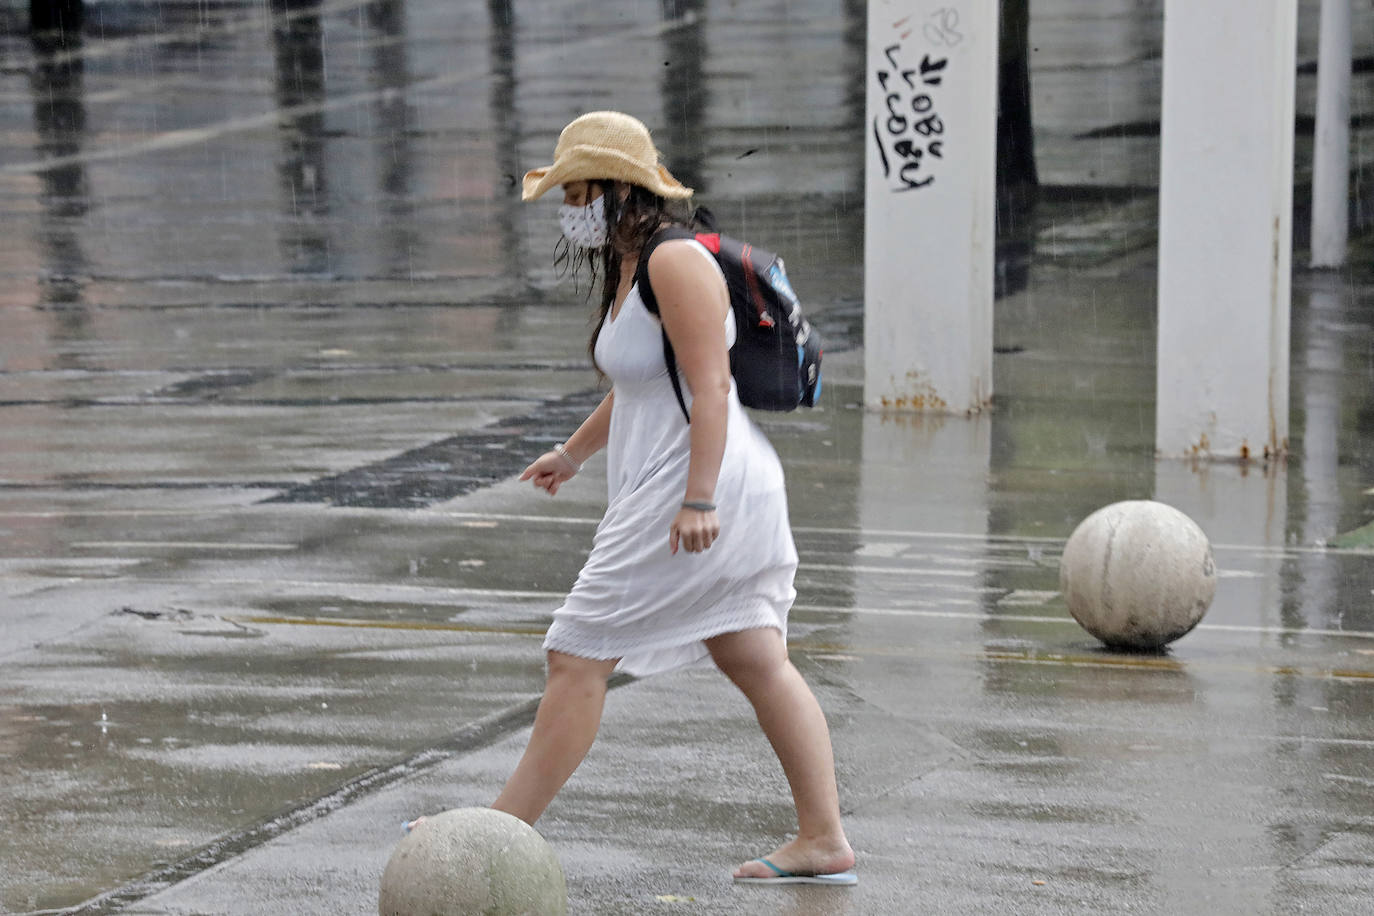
x: 276, y: 336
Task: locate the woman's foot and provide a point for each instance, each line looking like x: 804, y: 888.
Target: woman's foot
x: 799, y: 857
x: 408, y: 826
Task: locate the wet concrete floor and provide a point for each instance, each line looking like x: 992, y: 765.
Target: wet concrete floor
x: 275, y: 336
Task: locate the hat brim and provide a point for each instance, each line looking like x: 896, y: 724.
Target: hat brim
x: 589, y: 163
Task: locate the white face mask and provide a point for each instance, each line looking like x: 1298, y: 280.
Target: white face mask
x: 586, y: 226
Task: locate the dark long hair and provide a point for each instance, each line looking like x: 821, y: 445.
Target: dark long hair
x: 632, y: 223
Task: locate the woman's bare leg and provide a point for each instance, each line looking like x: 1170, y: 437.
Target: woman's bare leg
x: 564, y: 728
x: 756, y: 661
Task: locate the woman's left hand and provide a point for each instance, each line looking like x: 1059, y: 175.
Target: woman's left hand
x: 694, y: 530
x: 550, y: 471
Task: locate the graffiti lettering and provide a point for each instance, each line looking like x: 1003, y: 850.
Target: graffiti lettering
x: 943, y: 28
x: 911, y: 129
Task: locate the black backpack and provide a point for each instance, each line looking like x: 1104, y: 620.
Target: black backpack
x: 776, y: 358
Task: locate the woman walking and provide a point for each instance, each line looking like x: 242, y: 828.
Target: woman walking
x: 694, y: 557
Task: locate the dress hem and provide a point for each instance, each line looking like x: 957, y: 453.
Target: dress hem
x: 764, y: 615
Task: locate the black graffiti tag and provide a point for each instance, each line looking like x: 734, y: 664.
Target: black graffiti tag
x: 908, y: 129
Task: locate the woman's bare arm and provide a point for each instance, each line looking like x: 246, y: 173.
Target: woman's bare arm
x: 692, y: 304
x: 591, y: 436
x: 551, y: 469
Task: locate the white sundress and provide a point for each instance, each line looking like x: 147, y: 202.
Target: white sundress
x: 633, y: 600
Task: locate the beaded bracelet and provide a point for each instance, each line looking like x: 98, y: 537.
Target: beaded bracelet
x: 699, y: 506
x: 563, y: 453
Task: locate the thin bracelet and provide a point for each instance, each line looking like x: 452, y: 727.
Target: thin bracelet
x: 699, y: 506
x: 563, y: 453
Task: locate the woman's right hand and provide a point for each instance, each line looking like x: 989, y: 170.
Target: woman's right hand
x: 549, y: 471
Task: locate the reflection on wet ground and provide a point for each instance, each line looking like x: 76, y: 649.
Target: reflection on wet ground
x: 276, y: 336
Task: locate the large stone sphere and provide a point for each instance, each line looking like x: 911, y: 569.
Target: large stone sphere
x: 471, y: 861
x: 1137, y: 574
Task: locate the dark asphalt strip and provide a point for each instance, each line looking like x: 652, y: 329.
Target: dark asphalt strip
x: 474, y: 736
x: 454, y: 466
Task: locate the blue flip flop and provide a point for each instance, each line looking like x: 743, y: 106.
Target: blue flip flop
x: 782, y: 876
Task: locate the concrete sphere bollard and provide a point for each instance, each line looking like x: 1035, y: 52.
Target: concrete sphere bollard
x: 1137, y: 574
x: 472, y: 861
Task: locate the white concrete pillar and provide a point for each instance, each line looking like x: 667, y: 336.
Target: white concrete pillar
x: 1225, y: 224
x: 1331, y: 152
x: 929, y: 202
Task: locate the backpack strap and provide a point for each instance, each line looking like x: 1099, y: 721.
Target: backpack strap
x: 646, y: 292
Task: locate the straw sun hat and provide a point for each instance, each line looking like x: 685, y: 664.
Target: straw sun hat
x: 605, y: 144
